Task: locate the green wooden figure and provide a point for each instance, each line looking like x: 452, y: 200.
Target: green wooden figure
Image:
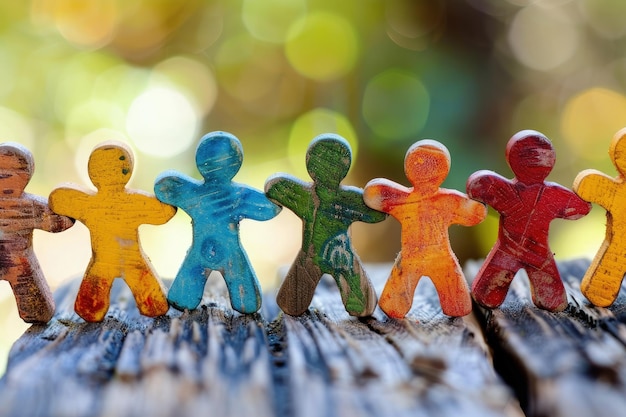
x: 327, y: 209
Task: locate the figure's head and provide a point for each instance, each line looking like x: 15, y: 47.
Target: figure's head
x: 219, y: 156
x: 530, y: 156
x: 427, y: 164
x: 328, y: 159
x: 110, y: 165
x: 617, y: 151
x: 16, y: 169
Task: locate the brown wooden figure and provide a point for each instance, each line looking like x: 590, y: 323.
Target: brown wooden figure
x: 527, y: 204
x: 113, y: 215
x: 603, y: 279
x: 20, y: 213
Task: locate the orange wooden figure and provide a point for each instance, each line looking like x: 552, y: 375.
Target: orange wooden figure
x: 425, y: 212
x: 603, y: 279
x: 113, y: 215
x: 20, y: 213
x: 527, y: 204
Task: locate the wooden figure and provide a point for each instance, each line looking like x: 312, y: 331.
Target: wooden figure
x: 603, y: 279
x: 216, y: 205
x: 527, y: 204
x: 113, y: 215
x: 327, y: 209
x: 20, y: 213
x: 425, y: 212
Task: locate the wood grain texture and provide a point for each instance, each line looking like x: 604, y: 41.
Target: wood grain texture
x: 603, y: 279
x: 20, y: 213
x: 113, y: 215
x: 425, y: 212
x: 566, y: 364
x: 216, y: 206
x: 213, y: 360
x: 526, y: 204
x: 327, y: 210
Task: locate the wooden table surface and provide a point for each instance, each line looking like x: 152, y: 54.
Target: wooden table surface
x: 514, y: 361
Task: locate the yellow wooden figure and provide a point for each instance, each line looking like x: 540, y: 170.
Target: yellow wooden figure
x: 603, y: 279
x: 113, y: 215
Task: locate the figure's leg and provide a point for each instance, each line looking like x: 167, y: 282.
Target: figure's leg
x: 147, y: 289
x: 546, y: 287
x: 341, y: 261
x: 603, y: 279
x: 493, y: 280
x: 397, y: 296
x: 449, y: 281
x: 297, y: 290
x: 357, y: 291
x: 243, y: 287
x: 92, y: 301
x: 188, y: 286
x: 34, y: 299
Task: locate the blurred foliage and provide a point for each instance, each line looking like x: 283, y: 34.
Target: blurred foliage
x: 383, y: 73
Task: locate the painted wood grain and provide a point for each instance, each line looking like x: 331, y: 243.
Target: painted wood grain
x: 526, y: 204
x: 425, y: 212
x: 113, y: 215
x: 603, y: 279
x: 216, y: 206
x: 20, y: 214
x: 327, y: 209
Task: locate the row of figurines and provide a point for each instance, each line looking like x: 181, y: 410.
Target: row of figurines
x: 527, y: 204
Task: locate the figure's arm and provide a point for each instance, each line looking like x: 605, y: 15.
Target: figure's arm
x: 255, y: 205
x: 382, y: 195
x: 596, y: 187
x: 465, y: 211
x: 490, y: 188
x: 70, y: 200
x: 151, y: 210
x: 289, y: 192
x: 568, y: 205
x: 46, y: 219
x: 353, y: 200
x: 172, y: 187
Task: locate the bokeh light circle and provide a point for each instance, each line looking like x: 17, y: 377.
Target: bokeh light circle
x: 162, y: 122
x: 312, y: 124
x: 606, y: 16
x: 270, y: 20
x: 192, y: 77
x: 14, y: 127
x: 590, y: 119
x: 87, y: 23
x: 395, y: 104
x: 542, y: 38
x: 322, y: 46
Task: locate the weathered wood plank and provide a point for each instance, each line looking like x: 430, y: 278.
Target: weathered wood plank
x: 213, y: 360
x: 571, y: 363
x: 426, y: 364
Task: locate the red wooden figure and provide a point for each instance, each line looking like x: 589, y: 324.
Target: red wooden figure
x: 527, y: 204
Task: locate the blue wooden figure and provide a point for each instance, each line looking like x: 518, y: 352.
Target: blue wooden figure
x: 216, y: 205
